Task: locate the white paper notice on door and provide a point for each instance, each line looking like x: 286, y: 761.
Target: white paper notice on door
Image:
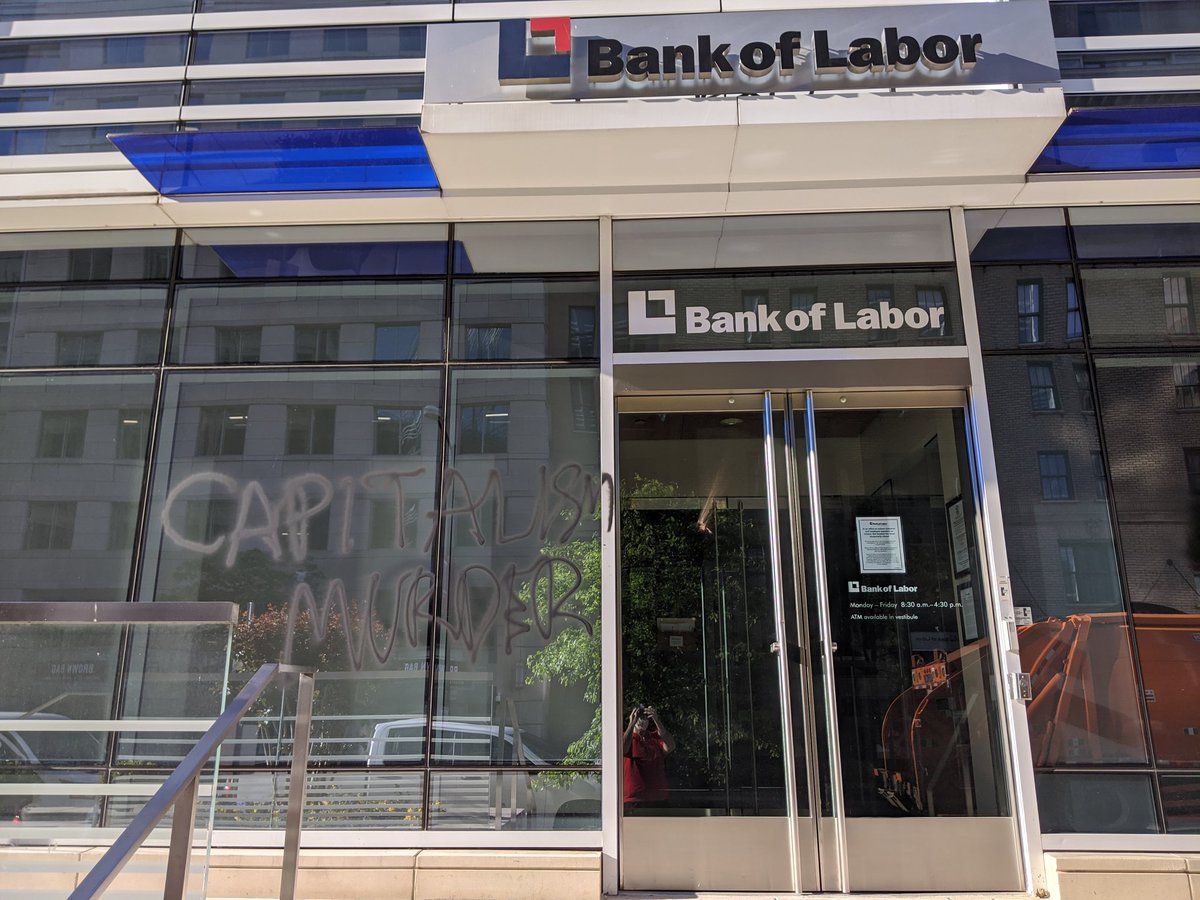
x: 880, y: 545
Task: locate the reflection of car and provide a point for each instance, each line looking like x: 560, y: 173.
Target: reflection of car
x: 31, y: 756
x: 521, y: 799
x: 403, y: 741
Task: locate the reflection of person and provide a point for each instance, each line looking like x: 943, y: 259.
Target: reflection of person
x: 647, y: 743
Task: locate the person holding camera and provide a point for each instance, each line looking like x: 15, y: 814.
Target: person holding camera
x: 647, y: 743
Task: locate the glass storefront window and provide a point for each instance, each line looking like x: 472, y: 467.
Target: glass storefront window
x: 827, y: 239
x: 525, y: 319
x: 1158, y: 511
x: 518, y: 642
x: 484, y: 248
x: 288, y: 322
x: 315, y: 252
x: 292, y: 44
x: 71, y: 468
x: 86, y: 256
x: 1028, y: 307
x: 271, y: 495
x: 52, y: 327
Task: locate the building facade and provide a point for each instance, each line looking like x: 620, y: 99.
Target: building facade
x: 518, y: 366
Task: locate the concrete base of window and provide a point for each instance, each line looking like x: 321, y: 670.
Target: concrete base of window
x: 1123, y: 876
x: 328, y: 874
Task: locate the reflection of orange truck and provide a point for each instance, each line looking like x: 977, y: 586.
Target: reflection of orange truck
x: 1084, y: 709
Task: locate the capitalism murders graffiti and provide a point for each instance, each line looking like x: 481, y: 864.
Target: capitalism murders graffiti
x: 530, y: 592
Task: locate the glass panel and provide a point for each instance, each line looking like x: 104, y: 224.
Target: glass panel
x: 1027, y: 305
x: 1129, y: 63
x: 64, y: 477
x: 54, y: 673
x: 525, y: 319
x: 64, y: 9
x: 314, y: 252
x: 1149, y: 406
x: 998, y: 235
x: 908, y: 616
x: 309, y: 323
x: 330, y: 89
x: 72, y: 138
x: 736, y: 312
x: 86, y: 256
x: 1153, y: 232
x: 1101, y: 803
x: 782, y: 241
x: 514, y: 801
x: 1181, y: 803
x: 518, y: 647
x: 93, y: 96
x: 1063, y: 566
x: 293, y: 124
x: 69, y: 327
x: 1087, y: 18
x: 483, y: 248
x: 172, y: 672
x: 272, y: 495
x: 118, y: 52
x: 698, y: 617
x: 1144, y: 306
x: 288, y: 45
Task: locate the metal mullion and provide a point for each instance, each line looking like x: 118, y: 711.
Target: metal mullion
x: 441, y: 553
x: 1115, y: 531
x: 137, y: 557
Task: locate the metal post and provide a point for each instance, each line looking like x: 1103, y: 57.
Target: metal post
x: 297, y: 784
x: 179, y: 857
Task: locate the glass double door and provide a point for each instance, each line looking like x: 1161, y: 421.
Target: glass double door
x: 810, y: 699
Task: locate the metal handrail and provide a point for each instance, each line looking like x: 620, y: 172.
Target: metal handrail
x: 181, y: 788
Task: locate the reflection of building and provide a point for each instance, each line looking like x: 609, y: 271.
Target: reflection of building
x: 374, y: 418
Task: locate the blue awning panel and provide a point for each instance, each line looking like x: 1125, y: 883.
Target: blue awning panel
x: 1124, y: 140
x: 256, y: 162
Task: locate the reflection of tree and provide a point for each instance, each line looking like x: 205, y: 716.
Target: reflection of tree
x: 254, y: 580
x: 572, y: 657
x: 707, y: 565
x: 665, y: 553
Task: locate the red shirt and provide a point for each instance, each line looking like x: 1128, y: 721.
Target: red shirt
x: 645, y: 768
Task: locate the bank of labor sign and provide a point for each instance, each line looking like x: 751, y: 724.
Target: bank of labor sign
x: 700, y: 319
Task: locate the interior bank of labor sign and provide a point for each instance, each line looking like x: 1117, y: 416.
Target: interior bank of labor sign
x: 738, y: 312
x: 843, y: 49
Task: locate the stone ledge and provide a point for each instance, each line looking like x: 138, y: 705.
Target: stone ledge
x: 1123, y: 862
x: 528, y: 860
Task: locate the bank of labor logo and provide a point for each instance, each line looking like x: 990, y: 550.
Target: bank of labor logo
x: 535, y: 51
x: 654, y: 312
x: 645, y: 320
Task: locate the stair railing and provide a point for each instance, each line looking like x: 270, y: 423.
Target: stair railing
x: 181, y: 788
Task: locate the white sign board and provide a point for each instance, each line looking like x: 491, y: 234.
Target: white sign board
x: 880, y: 545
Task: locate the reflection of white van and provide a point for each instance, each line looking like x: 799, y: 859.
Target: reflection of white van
x: 465, y: 799
x: 403, y: 741
x: 30, y: 756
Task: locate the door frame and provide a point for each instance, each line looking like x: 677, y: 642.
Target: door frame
x: 771, y: 403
